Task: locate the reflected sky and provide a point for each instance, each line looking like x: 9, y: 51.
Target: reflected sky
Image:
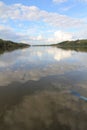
x: 43, y: 88
x: 37, y: 62
x: 48, y: 111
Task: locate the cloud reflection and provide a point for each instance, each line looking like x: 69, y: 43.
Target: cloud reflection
x: 34, y: 63
x: 48, y: 110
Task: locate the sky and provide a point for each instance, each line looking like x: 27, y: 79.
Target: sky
x: 43, y: 21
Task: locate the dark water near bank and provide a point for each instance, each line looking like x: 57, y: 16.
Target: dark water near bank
x: 43, y: 88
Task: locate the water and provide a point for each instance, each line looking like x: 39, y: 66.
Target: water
x: 43, y: 88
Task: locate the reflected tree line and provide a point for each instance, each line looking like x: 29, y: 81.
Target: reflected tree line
x: 78, y: 45
x: 10, y: 46
x: 78, y: 49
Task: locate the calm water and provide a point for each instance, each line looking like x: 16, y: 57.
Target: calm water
x: 43, y: 88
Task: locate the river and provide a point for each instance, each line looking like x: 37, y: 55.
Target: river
x: 43, y: 88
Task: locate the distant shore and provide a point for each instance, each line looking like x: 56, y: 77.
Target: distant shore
x: 10, y: 45
x: 77, y: 43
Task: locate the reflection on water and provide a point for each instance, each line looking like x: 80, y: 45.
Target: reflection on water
x: 43, y: 88
x: 76, y: 48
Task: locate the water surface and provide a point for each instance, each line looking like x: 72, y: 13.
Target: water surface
x: 43, y: 88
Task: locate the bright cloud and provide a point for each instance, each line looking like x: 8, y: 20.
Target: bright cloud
x: 40, y: 37
x: 32, y: 24
x: 60, y: 36
x: 31, y: 13
x: 59, y: 1
x: 82, y: 0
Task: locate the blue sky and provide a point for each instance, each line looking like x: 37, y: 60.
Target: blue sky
x: 43, y: 21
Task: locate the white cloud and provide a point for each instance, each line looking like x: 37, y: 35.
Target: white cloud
x: 31, y: 35
x: 40, y: 38
x: 8, y: 33
x: 82, y: 34
x: 57, y: 36
x: 67, y: 8
x: 30, y: 13
x: 82, y: 0
x: 60, y: 36
x: 59, y: 1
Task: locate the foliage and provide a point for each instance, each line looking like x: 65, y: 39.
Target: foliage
x: 9, y: 45
x: 77, y: 43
